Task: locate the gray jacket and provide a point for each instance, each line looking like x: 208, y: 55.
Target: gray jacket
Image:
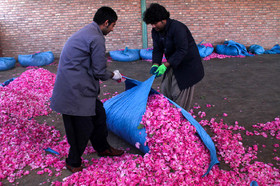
x: 82, y: 64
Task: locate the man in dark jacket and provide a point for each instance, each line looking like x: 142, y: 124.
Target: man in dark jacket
x: 75, y: 95
x: 183, y: 68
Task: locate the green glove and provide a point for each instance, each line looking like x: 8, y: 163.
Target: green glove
x: 161, y: 69
x: 153, y: 69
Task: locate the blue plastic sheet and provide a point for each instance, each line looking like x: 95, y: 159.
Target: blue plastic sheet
x: 51, y: 151
x: 254, y: 183
x: 37, y: 59
x: 125, y: 55
x: 124, y: 114
x: 274, y: 50
x: 7, y: 63
x: 256, y: 49
x: 7, y: 82
x: 232, y: 48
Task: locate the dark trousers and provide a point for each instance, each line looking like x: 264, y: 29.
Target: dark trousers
x: 80, y: 129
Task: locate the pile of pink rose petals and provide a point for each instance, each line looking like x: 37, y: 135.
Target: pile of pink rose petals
x: 22, y: 138
x: 177, y: 155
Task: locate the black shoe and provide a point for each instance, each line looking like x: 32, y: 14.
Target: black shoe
x: 111, y: 152
x: 74, y: 169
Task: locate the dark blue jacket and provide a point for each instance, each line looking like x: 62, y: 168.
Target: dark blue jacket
x: 180, y: 50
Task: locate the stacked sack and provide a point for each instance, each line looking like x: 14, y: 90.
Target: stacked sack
x: 37, y: 59
x: 205, y: 50
x: 232, y: 48
x: 7, y: 63
x: 125, y: 55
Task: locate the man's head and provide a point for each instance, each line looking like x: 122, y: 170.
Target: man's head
x: 156, y: 15
x: 106, y: 18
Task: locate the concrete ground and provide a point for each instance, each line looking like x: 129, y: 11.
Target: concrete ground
x: 247, y: 89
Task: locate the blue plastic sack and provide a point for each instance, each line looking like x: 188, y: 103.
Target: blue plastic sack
x: 37, y: 59
x: 204, y: 51
x: 274, y: 50
x: 232, y: 48
x: 256, y: 49
x: 146, y: 54
x: 7, y: 63
x: 124, y: 114
x: 227, y: 50
x: 125, y: 55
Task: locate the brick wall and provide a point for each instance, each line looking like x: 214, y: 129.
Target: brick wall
x: 28, y: 26
x: 247, y: 22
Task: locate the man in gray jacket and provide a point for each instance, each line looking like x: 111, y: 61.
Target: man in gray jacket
x: 75, y: 95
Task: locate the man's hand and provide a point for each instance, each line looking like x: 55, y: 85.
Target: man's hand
x: 153, y: 69
x: 161, y: 69
x: 117, y: 75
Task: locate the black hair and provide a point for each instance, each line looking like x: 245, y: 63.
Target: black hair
x: 155, y: 13
x: 105, y: 13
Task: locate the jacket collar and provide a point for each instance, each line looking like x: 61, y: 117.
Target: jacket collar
x: 97, y: 27
x: 168, y: 22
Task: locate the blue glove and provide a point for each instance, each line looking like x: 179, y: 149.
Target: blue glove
x: 161, y: 69
x: 153, y: 69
